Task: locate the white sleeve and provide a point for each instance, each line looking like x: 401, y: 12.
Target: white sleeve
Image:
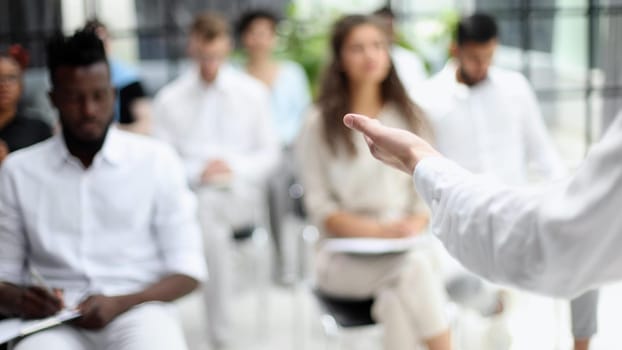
x: 13, y: 242
x: 257, y: 164
x: 175, y: 220
x: 165, y: 130
x: 560, y: 241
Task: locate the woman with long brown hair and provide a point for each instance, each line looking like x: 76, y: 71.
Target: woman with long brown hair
x: 350, y: 194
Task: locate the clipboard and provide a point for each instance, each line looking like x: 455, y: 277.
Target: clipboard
x: 14, y: 328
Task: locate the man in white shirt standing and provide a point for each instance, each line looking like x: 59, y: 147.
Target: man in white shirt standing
x: 104, y: 216
x: 218, y: 119
x: 487, y: 119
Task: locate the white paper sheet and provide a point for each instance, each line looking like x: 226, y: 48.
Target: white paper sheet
x: 9, y: 329
x: 373, y: 246
x: 14, y: 327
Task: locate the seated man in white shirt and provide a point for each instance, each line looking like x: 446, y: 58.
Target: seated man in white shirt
x: 218, y: 120
x: 104, y: 216
x: 487, y: 120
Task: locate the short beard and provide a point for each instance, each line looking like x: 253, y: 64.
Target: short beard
x: 90, y: 147
x: 466, y: 79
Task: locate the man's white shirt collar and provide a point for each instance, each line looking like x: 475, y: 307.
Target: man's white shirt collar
x: 111, y: 151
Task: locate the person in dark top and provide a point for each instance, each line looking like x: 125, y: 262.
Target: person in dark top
x: 17, y: 130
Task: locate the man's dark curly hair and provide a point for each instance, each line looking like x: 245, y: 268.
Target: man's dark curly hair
x: 83, y: 48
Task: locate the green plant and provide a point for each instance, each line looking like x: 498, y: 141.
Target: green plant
x: 430, y: 37
x: 305, y: 40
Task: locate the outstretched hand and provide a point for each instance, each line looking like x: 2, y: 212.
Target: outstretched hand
x: 395, y: 147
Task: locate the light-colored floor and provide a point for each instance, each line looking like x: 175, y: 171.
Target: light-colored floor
x: 288, y: 319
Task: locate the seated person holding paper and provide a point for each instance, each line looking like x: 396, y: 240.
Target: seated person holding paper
x: 101, y: 214
x: 349, y: 194
x: 218, y: 120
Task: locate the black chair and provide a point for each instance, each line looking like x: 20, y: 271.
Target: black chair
x: 243, y: 234
x: 347, y: 313
x: 337, y: 314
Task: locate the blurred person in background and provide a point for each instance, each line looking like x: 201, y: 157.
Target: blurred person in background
x: 219, y: 121
x: 350, y: 194
x: 289, y: 90
x: 487, y: 119
x: 132, y: 107
x: 408, y: 64
x: 285, y: 79
x: 17, y: 128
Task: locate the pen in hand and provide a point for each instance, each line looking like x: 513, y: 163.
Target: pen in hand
x: 55, y: 293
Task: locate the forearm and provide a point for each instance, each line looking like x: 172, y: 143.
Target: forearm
x: 507, y: 235
x: 488, y: 228
x: 167, y: 289
x: 342, y: 224
x: 418, y: 221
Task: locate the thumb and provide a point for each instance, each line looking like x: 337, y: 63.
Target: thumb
x: 361, y: 123
x: 86, y: 305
